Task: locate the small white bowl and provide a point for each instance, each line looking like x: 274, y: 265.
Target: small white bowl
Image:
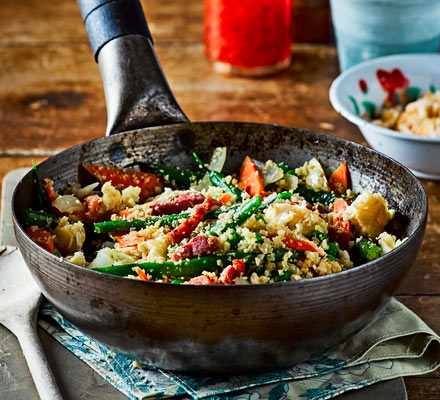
x: 349, y: 97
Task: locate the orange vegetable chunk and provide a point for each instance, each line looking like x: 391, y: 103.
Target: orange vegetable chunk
x: 250, y: 179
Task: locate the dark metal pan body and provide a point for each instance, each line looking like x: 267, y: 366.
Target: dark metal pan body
x: 218, y: 329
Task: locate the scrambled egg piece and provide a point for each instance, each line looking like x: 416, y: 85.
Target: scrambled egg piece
x: 388, y: 242
x: 295, y: 216
x: 111, y: 197
x: 156, y: 249
x: 130, y: 196
x: 313, y: 175
x: 420, y: 117
x: 69, y: 238
x: 77, y: 258
x: 369, y: 214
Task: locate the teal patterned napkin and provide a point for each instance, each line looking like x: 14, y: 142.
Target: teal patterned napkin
x: 397, y: 343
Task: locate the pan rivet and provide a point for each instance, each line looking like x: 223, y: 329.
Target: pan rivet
x: 117, y: 152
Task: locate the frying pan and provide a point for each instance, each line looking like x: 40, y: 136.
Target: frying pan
x: 210, y: 329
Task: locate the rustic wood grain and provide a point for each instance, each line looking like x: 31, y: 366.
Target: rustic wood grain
x: 422, y: 388
x: 52, y: 98
x: 59, y: 22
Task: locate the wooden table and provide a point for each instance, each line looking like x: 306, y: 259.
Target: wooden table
x: 51, y: 98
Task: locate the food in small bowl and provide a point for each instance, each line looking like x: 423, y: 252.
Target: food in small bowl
x: 419, y: 117
x: 265, y: 223
x: 394, y: 102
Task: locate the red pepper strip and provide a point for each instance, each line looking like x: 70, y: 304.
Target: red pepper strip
x: 299, y: 245
x: 141, y: 273
x: 341, y: 230
x: 185, y: 229
x: 129, y: 240
x: 48, y: 188
x: 338, y: 181
x: 250, y: 179
x: 42, y: 237
x: 122, y: 178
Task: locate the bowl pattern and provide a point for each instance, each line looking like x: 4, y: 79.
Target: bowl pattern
x: 362, y: 89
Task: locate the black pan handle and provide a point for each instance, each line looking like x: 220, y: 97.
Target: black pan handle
x: 136, y: 91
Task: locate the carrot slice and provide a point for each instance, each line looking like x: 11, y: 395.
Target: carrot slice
x: 141, y: 273
x: 341, y: 230
x: 122, y: 178
x: 339, y: 206
x: 250, y: 179
x: 129, y: 240
x: 338, y: 181
x: 299, y: 245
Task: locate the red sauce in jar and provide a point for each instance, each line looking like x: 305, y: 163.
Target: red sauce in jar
x: 248, y: 33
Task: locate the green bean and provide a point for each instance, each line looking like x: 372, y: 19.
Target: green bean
x: 284, y: 276
x: 182, y: 269
x: 218, y: 179
x: 215, y: 213
x: 367, y: 250
x: 43, y: 202
x: 333, y: 249
x: 246, y: 210
x: 241, y: 214
x: 286, y: 169
x: 39, y: 218
x: 312, y: 196
x: 233, y: 238
x: 258, y: 238
x: 285, y: 195
x: 279, y: 252
x: 182, y: 178
x: 319, y: 235
x: 124, y: 225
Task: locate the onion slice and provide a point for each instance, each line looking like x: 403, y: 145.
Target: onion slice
x: 68, y: 204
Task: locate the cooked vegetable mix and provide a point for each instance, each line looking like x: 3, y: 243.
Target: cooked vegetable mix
x: 266, y: 223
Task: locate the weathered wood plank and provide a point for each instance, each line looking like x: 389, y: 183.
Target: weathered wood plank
x: 54, y: 21
x: 52, y: 98
x: 425, y: 307
x: 424, y: 277
x: 422, y: 388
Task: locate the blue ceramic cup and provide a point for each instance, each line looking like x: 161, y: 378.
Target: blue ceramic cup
x: 368, y: 29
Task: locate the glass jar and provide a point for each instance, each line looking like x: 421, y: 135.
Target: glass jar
x: 248, y: 37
